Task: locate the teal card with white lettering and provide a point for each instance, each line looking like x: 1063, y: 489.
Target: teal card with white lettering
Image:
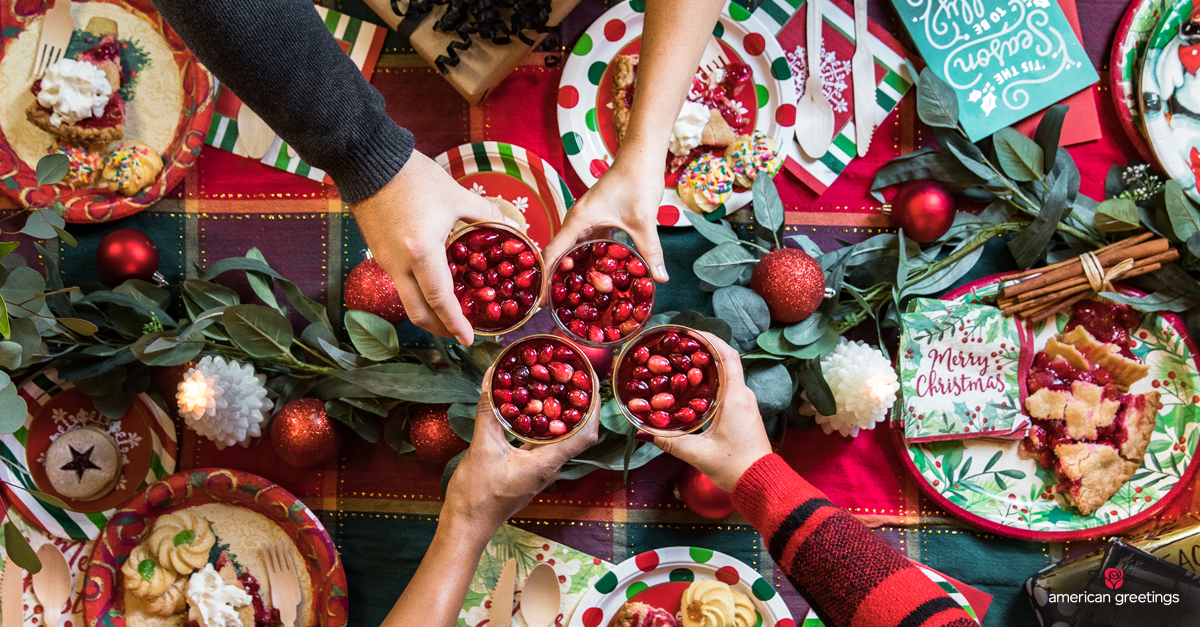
x: 1005, y: 59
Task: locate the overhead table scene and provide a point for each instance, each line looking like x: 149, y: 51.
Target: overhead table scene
x: 957, y: 268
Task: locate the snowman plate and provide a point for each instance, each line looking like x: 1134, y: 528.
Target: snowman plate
x: 1170, y: 97
x: 1133, y: 34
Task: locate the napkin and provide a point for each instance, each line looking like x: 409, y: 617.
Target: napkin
x: 960, y: 368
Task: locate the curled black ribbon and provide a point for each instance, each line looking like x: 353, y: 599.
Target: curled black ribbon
x: 471, y: 19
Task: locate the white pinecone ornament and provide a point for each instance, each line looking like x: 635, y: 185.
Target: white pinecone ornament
x: 864, y: 384
x: 225, y: 402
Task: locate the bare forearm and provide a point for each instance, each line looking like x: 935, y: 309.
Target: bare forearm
x: 673, y: 40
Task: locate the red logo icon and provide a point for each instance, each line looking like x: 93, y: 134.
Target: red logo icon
x: 1114, y: 577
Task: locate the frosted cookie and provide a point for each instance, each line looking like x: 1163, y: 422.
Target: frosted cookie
x: 181, y: 540
x: 131, y: 168
x: 83, y: 163
x: 706, y: 183
x: 83, y: 464
x: 144, y: 577
x: 752, y: 154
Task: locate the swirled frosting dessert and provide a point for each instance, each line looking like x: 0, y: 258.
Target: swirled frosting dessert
x: 707, y: 603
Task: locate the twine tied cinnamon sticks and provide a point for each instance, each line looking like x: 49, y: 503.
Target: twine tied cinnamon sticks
x: 1039, y: 293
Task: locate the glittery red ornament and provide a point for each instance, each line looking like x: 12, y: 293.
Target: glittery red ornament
x: 791, y: 282
x: 924, y: 209
x: 703, y: 496
x: 126, y: 254
x: 304, y: 435
x: 370, y: 289
x: 430, y: 433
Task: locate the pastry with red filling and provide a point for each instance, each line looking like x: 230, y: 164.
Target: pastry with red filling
x: 635, y: 614
x: 1087, y: 427
x: 78, y: 99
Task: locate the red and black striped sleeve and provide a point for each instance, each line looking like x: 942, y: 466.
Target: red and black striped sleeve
x: 850, y: 577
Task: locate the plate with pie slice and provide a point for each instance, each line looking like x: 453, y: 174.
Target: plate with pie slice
x: 128, y: 104
x: 199, y: 534
x: 1114, y: 398
x: 746, y: 110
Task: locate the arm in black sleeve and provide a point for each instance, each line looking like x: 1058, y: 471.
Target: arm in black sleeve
x: 279, y: 59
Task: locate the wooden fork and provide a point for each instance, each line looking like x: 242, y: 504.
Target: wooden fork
x: 56, y: 34
x: 285, y: 584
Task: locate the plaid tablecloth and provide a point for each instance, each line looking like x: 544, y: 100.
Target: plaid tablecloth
x: 376, y: 503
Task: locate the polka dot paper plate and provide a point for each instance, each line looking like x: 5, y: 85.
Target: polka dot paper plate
x: 510, y: 172
x: 585, y: 114
x: 658, y: 578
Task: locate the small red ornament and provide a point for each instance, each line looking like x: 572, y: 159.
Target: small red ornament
x: 430, y: 434
x: 303, y: 434
x: 791, y: 282
x: 924, y: 209
x: 126, y: 254
x: 370, y: 289
x: 703, y: 496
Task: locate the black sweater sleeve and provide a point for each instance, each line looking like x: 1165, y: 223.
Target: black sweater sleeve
x: 279, y: 59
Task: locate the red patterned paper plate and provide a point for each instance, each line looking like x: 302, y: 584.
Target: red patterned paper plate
x: 1017, y: 506
x: 104, y: 594
x: 1129, y: 46
x: 173, y: 70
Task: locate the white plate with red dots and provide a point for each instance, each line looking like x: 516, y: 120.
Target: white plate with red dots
x: 985, y: 481
x: 585, y: 113
x: 659, y: 577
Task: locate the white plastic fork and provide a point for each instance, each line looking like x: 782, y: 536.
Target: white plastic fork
x: 56, y: 35
x: 714, y: 57
x: 285, y: 584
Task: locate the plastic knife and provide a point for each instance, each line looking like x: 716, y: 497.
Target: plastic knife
x: 12, y: 584
x: 863, y: 68
x: 500, y: 614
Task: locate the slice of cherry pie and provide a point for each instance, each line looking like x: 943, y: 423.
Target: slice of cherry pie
x: 634, y: 614
x: 103, y: 120
x: 1087, y: 427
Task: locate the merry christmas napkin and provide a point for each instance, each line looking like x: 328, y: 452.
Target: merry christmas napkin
x: 960, y: 372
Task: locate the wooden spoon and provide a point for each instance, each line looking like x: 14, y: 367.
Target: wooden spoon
x: 52, y: 584
x: 540, y: 596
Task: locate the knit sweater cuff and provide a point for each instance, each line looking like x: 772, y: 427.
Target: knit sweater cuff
x: 369, y: 166
x: 770, y: 486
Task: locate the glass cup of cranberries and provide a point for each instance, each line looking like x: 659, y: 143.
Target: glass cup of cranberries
x: 668, y: 380
x: 498, y: 276
x: 602, y: 293
x: 543, y: 389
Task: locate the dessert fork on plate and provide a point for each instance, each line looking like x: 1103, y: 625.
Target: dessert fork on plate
x: 285, y: 584
x: 714, y: 57
x: 56, y: 34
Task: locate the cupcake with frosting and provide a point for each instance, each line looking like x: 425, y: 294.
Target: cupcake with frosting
x: 706, y: 184
x: 752, y: 154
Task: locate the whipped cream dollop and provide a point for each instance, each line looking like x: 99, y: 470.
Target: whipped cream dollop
x: 74, y: 90
x: 215, y: 601
x: 688, y: 129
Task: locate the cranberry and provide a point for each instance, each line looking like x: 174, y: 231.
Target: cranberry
x: 525, y: 299
x: 460, y: 290
x: 611, y: 333
x: 523, y: 424
x: 459, y: 253
x: 700, y: 359
x: 545, y: 354
x: 566, y: 264
x: 660, y: 383
x: 595, y: 334
x: 561, y: 372
x: 506, y: 289
x: 558, y: 293
x: 486, y: 294
x: 552, y: 408
x: 526, y: 260
x: 578, y: 399
x: 635, y: 267
x: 481, y: 240
x: 600, y: 302
x: 539, y: 373
x: 582, y: 380
x: 640, y: 355
x: 478, y: 262
x: 578, y: 328
x: 642, y: 372
x: 669, y: 343
x: 556, y: 427
x: 574, y: 281
x: 509, y: 411
x: 629, y: 327
x: 506, y: 269
x: 529, y: 355
x: 659, y: 364
x: 687, y: 345
x: 636, y: 405
x: 641, y: 312
x: 617, y: 251
x: 468, y: 306
x: 637, y: 388
x: 659, y: 419
x: 513, y: 247
x: 695, y: 377
x: 622, y: 309
x: 680, y: 362
x: 602, y: 282
x: 521, y: 396
x: 520, y: 375
x: 503, y: 379
x: 504, y: 396
x: 698, y: 404
x: 539, y: 424
x: 571, y: 416
x: 607, y: 265
x: 573, y: 299
x: 558, y: 389
x: 679, y: 383
x: 475, y: 280
x: 686, y: 415
x: 525, y: 279
x: 564, y: 353
x: 587, y: 292
x: 534, y: 406
x: 539, y: 390
x: 494, y: 255
x: 599, y: 248
x: 587, y: 312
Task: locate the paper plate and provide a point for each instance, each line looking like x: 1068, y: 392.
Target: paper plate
x: 510, y: 172
x: 75, y: 552
x: 145, y: 435
x: 659, y: 578
x: 170, y: 110
x: 1169, y: 113
x: 323, y: 600
x: 585, y: 93
x: 987, y: 484
x: 1133, y: 33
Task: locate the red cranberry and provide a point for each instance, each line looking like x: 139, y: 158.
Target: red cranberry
x: 582, y: 380
x: 478, y: 262
x: 468, y: 306
x: 506, y: 269
x: 621, y: 280
x: 534, y: 406
x: 481, y: 240
x: 513, y: 247
x: 573, y: 300
x: 695, y: 377
x: 520, y: 375
x: 539, y: 390
x: 595, y: 334
x: 503, y: 396
x: 587, y: 312
x: 617, y: 251
x: 552, y: 408
x: 525, y: 279
x: 526, y: 260
x: 526, y: 299
x: 529, y: 355
x: 559, y: 371
x: 622, y: 309
x: 460, y: 290
x: 506, y: 289
x: 680, y: 362
x: 687, y: 345
x: 510, y: 308
x: 629, y: 327
x: 491, y: 278
x: 637, y: 405
x: 558, y: 293
x: 558, y: 389
x: 640, y: 355
x: 523, y: 425
x: 685, y: 415
x: 475, y: 279
x: 564, y: 353
x: 486, y: 294
x: 601, y: 301
x: 679, y: 383
x: 509, y: 411
x: 459, y: 253
x: 493, y: 312
x: 556, y: 427
x: 578, y: 399
x: 503, y: 379
x: 494, y: 255
x: 611, y: 333
x: 539, y: 373
x: 659, y: 364
x: 574, y: 281
x: 637, y: 388
x: 698, y: 404
x: 659, y: 419
x: 587, y: 292
x: 521, y: 396
x: 642, y: 372
x: 546, y: 354
x: 700, y: 359
x: 641, y: 312
x: 571, y: 416
x: 669, y: 343
x: 662, y: 400
x: 635, y: 267
x: 607, y: 265
x: 602, y: 282
x: 660, y: 383
x: 599, y: 248
x: 578, y: 328
x: 539, y: 424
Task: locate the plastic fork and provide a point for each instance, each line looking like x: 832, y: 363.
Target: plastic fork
x: 56, y: 34
x: 714, y: 57
x: 285, y: 585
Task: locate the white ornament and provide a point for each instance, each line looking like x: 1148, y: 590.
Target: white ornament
x: 224, y: 402
x: 864, y: 385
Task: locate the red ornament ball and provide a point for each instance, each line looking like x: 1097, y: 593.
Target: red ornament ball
x: 430, y: 434
x: 703, y: 496
x: 924, y: 209
x: 791, y: 282
x: 370, y: 289
x: 304, y: 435
x: 126, y: 254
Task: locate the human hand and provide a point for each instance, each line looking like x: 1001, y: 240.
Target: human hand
x: 496, y: 479
x: 735, y: 439
x: 626, y: 197
x: 406, y: 224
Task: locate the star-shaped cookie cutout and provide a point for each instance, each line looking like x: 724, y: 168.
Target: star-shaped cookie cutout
x: 80, y: 462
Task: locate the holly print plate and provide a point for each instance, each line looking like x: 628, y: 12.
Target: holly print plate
x: 986, y: 483
x: 1133, y: 33
x: 658, y: 578
x: 1170, y: 96
x: 530, y: 183
x: 585, y: 110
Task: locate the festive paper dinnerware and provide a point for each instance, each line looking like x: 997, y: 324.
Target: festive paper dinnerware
x: 660, y: 576
x: 170, y: 110
x: 324, y: 602
x: 530, y: 183
x: 987, y: 484
x: 145, y: 434
x: 1168, y: 98
x: 1133, y: 33
x: 585, y: 93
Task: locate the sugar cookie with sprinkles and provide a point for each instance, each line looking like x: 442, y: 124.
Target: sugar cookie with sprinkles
x: 706, y: 183
x: 131, y: 168
x: 83, y: 163
x: 752, y: 154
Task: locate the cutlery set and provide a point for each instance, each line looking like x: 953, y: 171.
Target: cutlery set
x: 815, y: 132
x: 540, y: 596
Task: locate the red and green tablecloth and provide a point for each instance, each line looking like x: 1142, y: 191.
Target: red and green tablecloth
x: 381, y: 508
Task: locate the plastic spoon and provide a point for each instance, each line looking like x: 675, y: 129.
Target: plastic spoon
x: 52, y: 584
x: 540, y: 596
